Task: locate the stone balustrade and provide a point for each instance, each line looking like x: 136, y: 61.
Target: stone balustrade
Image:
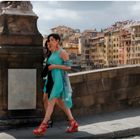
x: 104, y: 90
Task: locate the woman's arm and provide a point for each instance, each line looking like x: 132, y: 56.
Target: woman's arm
x: 63, y: 67
x: 65, y: 57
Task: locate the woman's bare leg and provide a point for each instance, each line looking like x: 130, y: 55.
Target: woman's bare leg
x: 73, y: 126
x: 67, y: 111
x: 45, y: 101
x: 60, y: 103
x: 49, y: 110
x: 61, y: 106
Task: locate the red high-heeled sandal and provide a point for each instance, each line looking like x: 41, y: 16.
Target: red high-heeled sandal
x: 73, y: 126
x: 41, y: 129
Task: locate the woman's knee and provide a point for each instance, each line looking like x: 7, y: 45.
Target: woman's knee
x: 52, y: 101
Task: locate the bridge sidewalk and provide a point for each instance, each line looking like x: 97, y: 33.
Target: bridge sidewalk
x: 108, y: 125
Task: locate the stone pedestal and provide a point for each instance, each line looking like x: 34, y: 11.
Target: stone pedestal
x: 20, y: 65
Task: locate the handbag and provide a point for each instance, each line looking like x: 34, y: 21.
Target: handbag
x: 45, y: 71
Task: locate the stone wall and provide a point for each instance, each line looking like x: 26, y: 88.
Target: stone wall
x: 104, y: 90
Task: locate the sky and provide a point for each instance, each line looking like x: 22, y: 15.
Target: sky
x: 83, y: 14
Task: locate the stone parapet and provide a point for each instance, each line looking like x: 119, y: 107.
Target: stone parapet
x: 105, y: 90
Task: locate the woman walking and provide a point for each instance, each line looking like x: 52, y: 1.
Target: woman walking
x: 61, y: 90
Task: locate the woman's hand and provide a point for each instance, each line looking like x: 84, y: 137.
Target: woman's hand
x: 62, y: 67
x: 52, y: 67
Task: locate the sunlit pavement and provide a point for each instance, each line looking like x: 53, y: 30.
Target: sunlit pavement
x: 120, y: 124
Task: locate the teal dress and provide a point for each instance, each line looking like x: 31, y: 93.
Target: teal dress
x: 61, y: 87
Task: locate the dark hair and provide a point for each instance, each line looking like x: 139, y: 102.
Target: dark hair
x: 55, y: 36
x: 48, y: 52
